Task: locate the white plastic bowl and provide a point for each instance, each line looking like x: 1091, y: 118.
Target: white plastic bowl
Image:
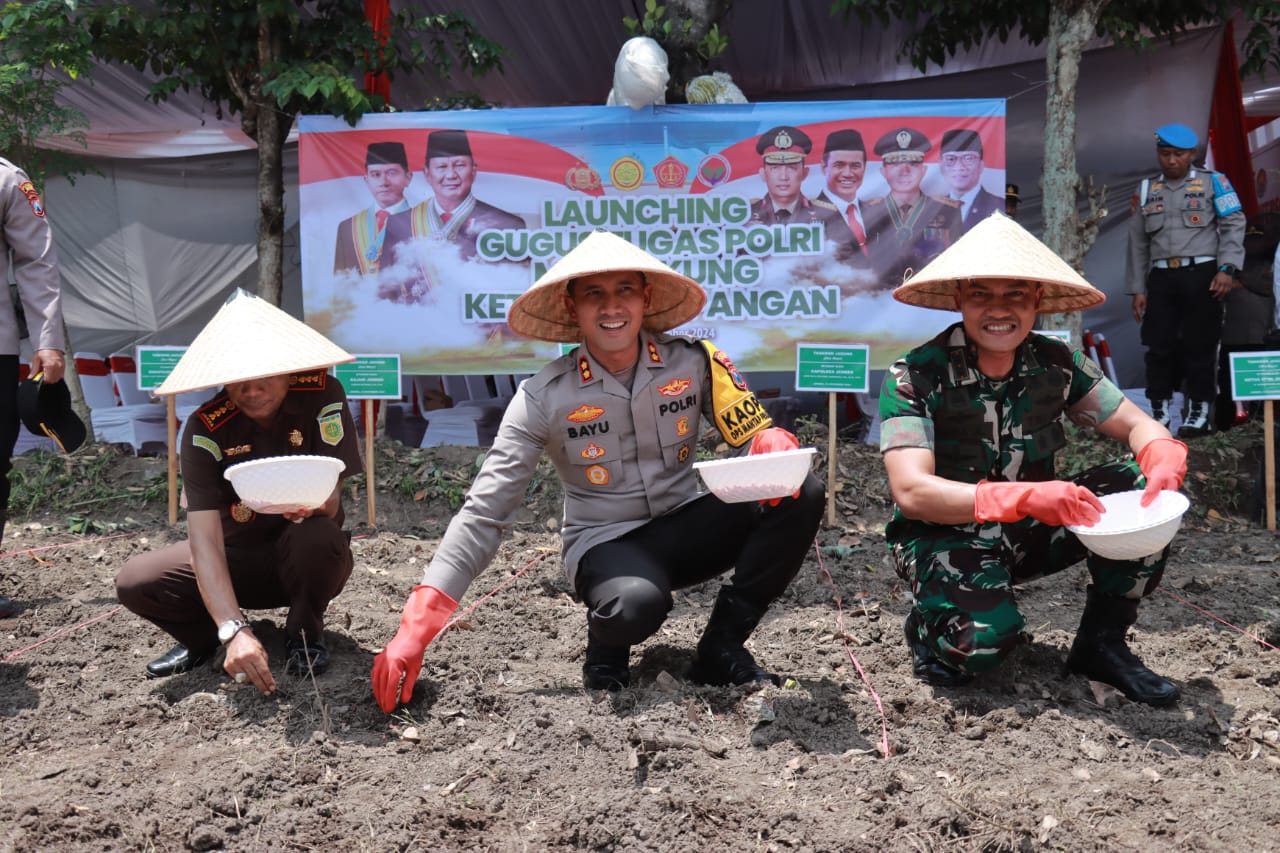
x: 1128, y: 531
x: 279, y: 484
x: 756, y: 478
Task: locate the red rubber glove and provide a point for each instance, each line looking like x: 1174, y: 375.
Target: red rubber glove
x: 1055, y: 502
x: 772, y: 440
x: 424, y: 615
x: 1164, y: 463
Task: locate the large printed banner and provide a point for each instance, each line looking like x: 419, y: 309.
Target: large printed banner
x: 420, y: 229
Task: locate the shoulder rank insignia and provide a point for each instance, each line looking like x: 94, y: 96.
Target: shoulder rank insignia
x: 217, y: 412
x: 312, y: 380
x: 584, y: 368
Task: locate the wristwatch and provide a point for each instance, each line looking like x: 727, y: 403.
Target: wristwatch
x: 229, y: 629
x: 1229, y: 269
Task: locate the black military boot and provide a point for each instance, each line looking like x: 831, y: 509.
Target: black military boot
x: 720, y: 658
x: 1099, y: 652
x: 606, y: 666
x: 925, y: 665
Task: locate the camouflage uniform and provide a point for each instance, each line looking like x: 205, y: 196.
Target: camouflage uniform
x: 978, y: 428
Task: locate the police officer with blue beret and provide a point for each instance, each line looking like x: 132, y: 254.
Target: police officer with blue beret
x: 1186, y: 245
x: 782, y: 151
x: 906, y: 229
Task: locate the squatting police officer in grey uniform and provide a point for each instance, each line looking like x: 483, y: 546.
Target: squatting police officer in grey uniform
x: 1186, y: 245
x: 619, y: 416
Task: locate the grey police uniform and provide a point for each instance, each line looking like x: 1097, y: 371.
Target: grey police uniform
x: 25, y: 231
x: 635, y: 524
x: 1182, y: 231
x: 624, y: 456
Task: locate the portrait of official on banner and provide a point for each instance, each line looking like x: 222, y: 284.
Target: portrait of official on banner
x: 420, y: 229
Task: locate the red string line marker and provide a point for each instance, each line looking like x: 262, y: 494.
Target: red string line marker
x: 844, y: 638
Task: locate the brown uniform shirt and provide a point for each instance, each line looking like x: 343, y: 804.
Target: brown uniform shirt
x: 313, y: 419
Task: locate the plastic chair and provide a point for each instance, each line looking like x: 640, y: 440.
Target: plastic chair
x: 112, y: 421
x: 472, y: 422
x: 124, y: 370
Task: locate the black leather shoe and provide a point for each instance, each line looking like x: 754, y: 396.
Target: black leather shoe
x: 606, y: 667
x: 177, y: 660
x: 303, y: 658
x: 925, y: 665
x: 6, y: 606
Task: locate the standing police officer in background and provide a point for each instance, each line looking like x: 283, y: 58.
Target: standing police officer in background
x: 26, y: 246
x: 1186, y: 246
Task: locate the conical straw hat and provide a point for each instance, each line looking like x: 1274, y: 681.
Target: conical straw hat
x: 540, y: 311
x: 997, y: 248
x: 247, y: 339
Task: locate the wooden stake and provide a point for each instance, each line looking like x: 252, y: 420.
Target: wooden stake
x: 369, y: 427
x: 171, y: 421
x: 831, y: 458
x: 1269, y: 460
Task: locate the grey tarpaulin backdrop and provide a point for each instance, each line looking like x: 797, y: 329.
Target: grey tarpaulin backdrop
x: 151, y: 247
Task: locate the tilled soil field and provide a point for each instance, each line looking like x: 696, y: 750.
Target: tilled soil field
x: 502, y: 749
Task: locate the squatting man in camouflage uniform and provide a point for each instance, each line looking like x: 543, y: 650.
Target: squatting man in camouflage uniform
x: 971, y: 422
x: 619, y: 416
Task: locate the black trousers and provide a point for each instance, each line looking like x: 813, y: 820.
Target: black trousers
x: 1181, y: 331
x: 303, y: 569
x: 627, y: 583
x: 8, y: 429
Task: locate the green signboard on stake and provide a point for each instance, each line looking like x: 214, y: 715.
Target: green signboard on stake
x: 833, y: 367
x: 155, y: 363
x: 1255, y: 375
x: 374, y: 376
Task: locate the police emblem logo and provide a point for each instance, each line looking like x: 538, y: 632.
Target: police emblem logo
x: 582, y: 178
x: 584, y: 414
x: 675, y: 387
x: 241, y: 513
x: 682, y: 455
x: 782, y: 140
x: 597, y: 475
x: 903, y: 139
x: 682, y: 427
x: 734, y: 376
x: 295, y: 438
x: 592, y: 451
x: 28, y: 189
x: 626, y: 173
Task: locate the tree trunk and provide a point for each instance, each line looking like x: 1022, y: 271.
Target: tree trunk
x: 273, y: 129
x: 1071, y: 24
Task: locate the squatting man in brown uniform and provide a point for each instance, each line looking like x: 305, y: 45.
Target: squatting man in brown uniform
x: 619, y: 416
x: 277, y: 400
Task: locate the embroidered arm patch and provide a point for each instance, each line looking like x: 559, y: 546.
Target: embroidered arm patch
x: 738, y: 414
